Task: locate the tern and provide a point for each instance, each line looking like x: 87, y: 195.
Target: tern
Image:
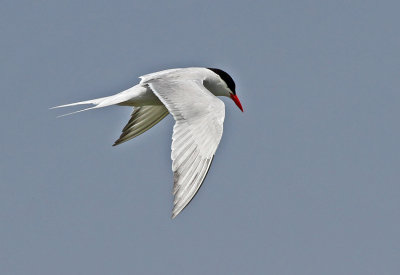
x: 190, y: 95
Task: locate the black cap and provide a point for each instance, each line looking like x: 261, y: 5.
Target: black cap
x: 226, y: 78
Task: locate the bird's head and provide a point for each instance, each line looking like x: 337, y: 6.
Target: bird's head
x: 229, y: 85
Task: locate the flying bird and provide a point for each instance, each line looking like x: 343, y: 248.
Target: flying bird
x: 190, y: 95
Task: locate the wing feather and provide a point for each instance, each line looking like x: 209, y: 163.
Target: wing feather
x: 142, y: 119
x: 199, y: 117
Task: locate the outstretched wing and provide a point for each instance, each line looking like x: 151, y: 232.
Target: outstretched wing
x: 142, y: 119
x: 199, y: 117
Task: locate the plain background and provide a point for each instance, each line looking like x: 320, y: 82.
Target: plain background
x: 305, y: 181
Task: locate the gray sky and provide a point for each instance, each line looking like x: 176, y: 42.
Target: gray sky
x: 305, y: 181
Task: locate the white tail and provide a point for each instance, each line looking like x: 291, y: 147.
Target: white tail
x: 102, y: 102
x: 99, y: 102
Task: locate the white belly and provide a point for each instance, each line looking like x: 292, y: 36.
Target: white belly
x: 140, y: 96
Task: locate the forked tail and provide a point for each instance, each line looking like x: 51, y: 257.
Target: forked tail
x: 99, y: 102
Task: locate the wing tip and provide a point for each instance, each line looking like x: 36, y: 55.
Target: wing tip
x: 175, y: 213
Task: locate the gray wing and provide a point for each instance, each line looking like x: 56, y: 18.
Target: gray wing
x: 199, y: 117
x: 142, y: 119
